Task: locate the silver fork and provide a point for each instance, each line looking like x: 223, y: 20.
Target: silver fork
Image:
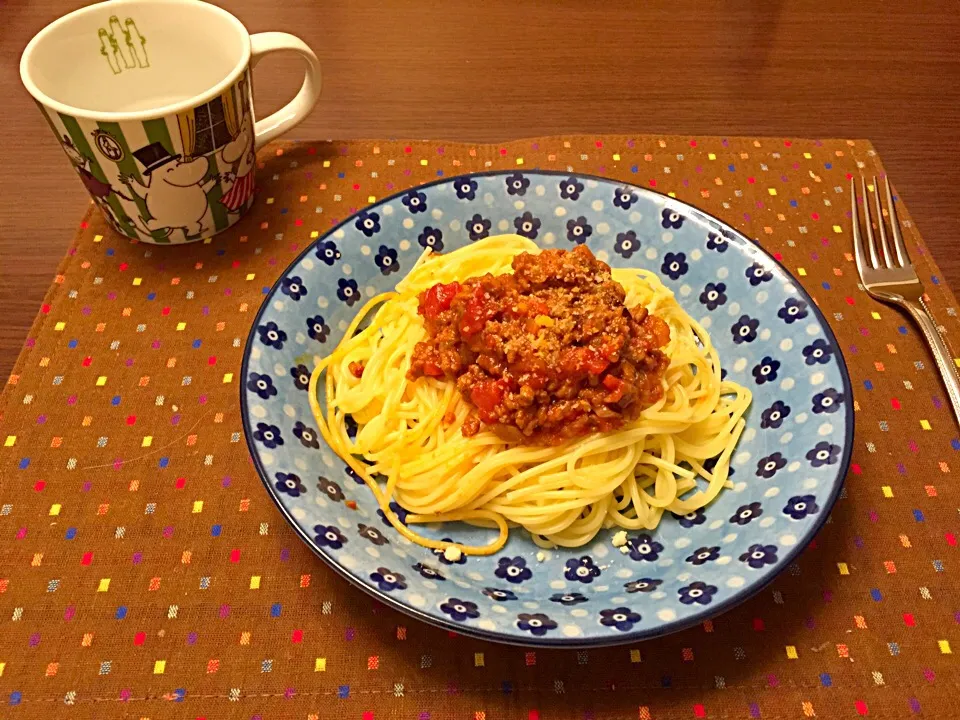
x: 890, y: 277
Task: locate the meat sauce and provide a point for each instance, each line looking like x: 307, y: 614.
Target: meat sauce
x: 546, y: 354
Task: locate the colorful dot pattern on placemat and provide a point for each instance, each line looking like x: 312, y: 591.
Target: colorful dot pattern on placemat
x: 146, y: 574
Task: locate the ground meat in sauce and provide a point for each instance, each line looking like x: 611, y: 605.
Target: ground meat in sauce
x: 546, y: 354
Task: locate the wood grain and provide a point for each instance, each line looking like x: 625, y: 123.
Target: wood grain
x: 503, y: 69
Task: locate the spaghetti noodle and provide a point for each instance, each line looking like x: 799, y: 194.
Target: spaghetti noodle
x: 410, y: 445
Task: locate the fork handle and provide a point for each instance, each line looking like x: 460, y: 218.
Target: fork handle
x: 941, y: 353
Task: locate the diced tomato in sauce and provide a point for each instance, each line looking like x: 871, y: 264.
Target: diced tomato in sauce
x: 594, y: 363
x: 615, y: 386
x: 657, y: 330
x: 611, y: 382
x: 486, y: 396
x: 432, y: 369
x: 479, y: 309
x: 577, y: 361
x: 537, y: 307
x: 437, y: 299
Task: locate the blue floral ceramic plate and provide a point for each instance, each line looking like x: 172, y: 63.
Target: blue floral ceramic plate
x: 787, y: 469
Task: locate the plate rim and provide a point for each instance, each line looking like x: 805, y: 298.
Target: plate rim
x: 708, y: 611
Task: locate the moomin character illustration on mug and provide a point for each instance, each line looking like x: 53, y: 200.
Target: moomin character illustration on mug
x: 175, y: 191
x: 238, y: 185
x: 100, y: 191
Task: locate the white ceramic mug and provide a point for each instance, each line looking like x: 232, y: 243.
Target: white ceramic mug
x: 152, y: 102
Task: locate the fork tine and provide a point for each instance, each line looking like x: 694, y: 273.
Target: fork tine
x: 874, y: 260
x: 858, y: 252
x: 902, y: 254
x: 887, y: 257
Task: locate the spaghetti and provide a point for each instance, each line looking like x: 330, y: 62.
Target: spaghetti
x: 417, y: 441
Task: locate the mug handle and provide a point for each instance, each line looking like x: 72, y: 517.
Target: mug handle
x: 296, y: 110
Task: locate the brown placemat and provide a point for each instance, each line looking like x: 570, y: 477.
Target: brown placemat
x: 146, y: 574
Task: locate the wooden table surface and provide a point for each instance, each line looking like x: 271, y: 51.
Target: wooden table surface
x: 502, y: 69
